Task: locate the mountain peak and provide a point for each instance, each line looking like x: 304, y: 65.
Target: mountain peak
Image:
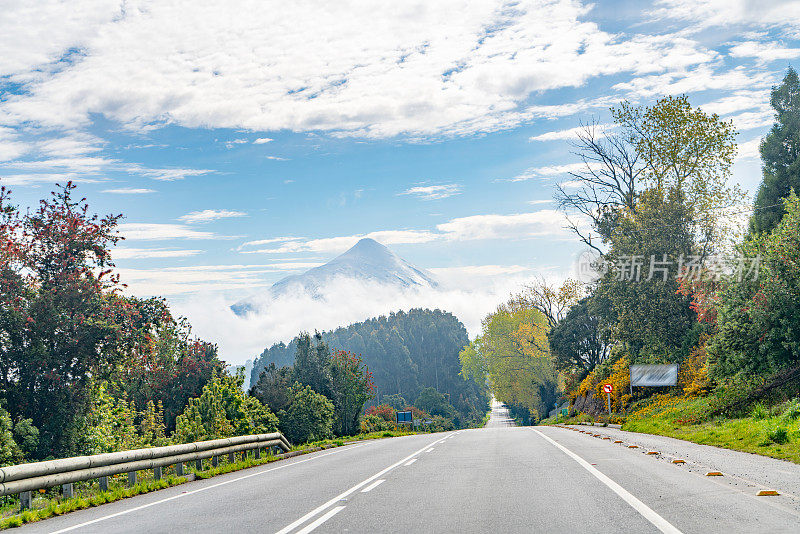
x: 367, y: 261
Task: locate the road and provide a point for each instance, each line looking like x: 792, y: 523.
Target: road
x: 495, y: 479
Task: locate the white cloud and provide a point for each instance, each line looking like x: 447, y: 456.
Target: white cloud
x: 262, y: 140
x: 494, y: 226
x: 343, y: 302
x: 46, y: 178
x: 749, y: 149
x: 702, y: 78
x: 124, y: 253
x: 129, y: 191
x: 443, y: 68
x: 546, y: 171
x: 160, y: 232
x: 569, y: 134
x: 708, y: 13
x: 276, y: 158
x: 764, y: 51
x: 433, y: 192
x: 515, y: 226
x: 210, y: 215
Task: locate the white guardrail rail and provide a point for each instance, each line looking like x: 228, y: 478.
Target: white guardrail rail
x: 25, y: 478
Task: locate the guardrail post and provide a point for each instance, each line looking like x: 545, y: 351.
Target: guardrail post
x: 214, y: 461
x: 179, y: 469
x: 131, y: 478
x: 231, y: 457
x: 198, y: 464
x: 157, y: 473
x: 103, y: 483
x: 68, y: 490
x: 257, y: 454
x: 25, y: 500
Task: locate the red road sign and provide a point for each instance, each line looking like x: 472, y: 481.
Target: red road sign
x: 608, y: 388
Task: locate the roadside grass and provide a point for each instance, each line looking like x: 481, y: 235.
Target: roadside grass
x: 773, y: 432
x: 768, y: 431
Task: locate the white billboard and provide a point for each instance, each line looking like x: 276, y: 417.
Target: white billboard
x: 654, y: 375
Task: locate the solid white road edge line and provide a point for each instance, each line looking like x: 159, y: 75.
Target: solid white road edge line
x: 648, y: 513
x: 288, y: 528
x: 411, y: 461
x: 373, y: 485
x: 332, y: 512
x: 187, y: 493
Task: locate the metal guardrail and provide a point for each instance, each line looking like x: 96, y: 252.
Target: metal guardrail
x: 33, y: 476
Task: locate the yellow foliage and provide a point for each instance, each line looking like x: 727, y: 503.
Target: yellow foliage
x: 693, y: 372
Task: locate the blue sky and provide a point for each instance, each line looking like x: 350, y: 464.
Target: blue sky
x: 247, y: 143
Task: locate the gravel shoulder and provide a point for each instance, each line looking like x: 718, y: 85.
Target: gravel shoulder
x: 768, y: 473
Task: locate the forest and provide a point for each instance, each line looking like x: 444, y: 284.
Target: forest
x: 406, y: 352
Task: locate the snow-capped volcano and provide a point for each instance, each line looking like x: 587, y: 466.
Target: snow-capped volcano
x: 366, y: 261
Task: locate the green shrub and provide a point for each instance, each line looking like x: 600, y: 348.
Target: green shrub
x: 778, y: 435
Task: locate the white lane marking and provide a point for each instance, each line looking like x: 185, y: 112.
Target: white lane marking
x: 187, y: 493
x: 373, y: 485
x: 288, y: 528
x: 411, y: 461
x: 648, y: 513
x: 332, y: 512
x: 430, y: 450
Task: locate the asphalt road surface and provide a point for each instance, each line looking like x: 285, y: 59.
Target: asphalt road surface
x: 495, y: 479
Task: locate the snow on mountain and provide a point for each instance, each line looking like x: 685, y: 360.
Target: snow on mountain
x: 367, y: 261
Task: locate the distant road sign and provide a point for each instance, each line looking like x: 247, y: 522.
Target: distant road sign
x: 654, y: 375
x: 608, y: 388
x: 405, y: 418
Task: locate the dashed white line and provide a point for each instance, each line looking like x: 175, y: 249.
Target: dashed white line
x: 373, y: 485
x: 430, y: 450
x: 332, y: 512
x: 648, y: 513
x: 411, y: 461
x: 288, y: 528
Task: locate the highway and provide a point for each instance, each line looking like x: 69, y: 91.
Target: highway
x: 500, y: 478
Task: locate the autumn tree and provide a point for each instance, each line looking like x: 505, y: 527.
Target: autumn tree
x: 512, y: 353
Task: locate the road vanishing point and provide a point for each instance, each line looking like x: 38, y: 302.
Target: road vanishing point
x: 501, y: 478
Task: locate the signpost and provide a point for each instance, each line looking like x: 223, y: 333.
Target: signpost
x: 608, y: 388
x: 405, y: 418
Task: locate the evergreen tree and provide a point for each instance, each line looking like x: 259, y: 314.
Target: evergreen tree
x: 780, y: 154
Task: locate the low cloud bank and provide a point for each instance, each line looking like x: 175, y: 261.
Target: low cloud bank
x: 344, y: 301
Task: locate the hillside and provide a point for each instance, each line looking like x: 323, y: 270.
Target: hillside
x: 406, y: 351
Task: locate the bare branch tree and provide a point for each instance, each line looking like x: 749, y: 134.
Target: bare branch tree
x: 609, y: 176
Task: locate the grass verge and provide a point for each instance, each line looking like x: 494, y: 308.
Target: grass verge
x: 768, y: 431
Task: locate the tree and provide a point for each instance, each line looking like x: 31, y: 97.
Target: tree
x: 273, y: 386
x: 351, y: 386
x: 163, y: 364
x: 435, y: 403
x: 758, y: 324
x: 309, y: 416
x: 312, y: 363
x: 513, y: 351
x: 60, y: 320
x: 222, y: 410
x: 578, y: 343
x: 553, y: 302
x: 780, y: 155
